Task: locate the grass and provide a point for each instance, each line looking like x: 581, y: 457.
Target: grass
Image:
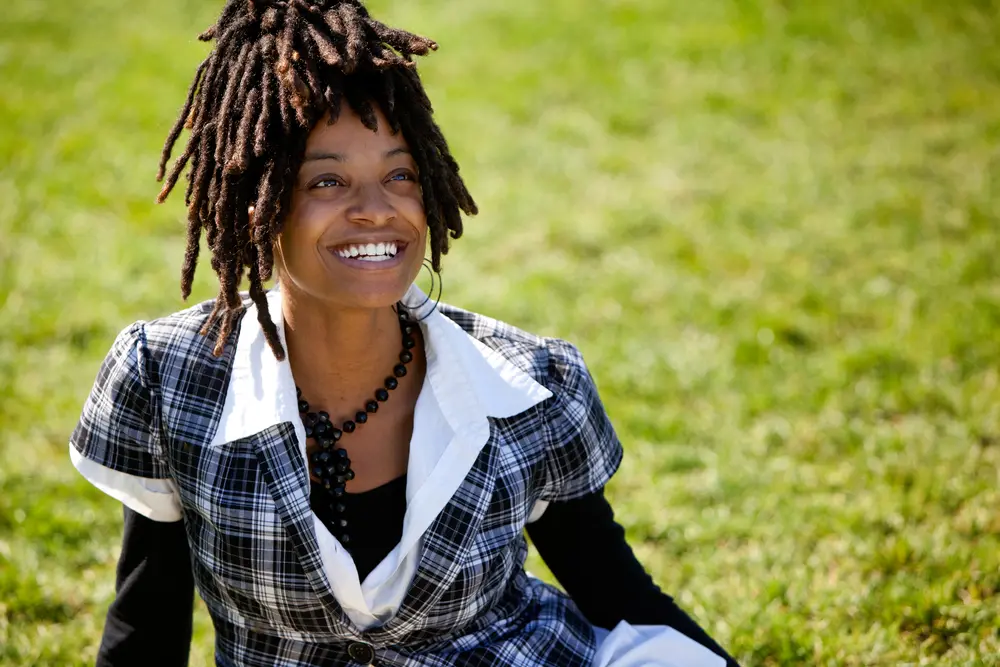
x: 770, y: 226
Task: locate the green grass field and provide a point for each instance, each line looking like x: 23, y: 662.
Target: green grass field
x: 772, y: 227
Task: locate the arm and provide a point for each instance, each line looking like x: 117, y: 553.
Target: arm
x: 115, y: 446
x: 149, y: 622
x: 610, y: 585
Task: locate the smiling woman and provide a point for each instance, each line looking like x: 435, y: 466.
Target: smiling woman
x: 344, y: 469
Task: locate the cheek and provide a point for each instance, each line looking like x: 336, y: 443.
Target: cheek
x: 412, y: 209
x: 297, y: 234
x: 304, y: 225
x: 307, y: 217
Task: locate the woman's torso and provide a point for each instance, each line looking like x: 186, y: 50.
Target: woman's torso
x: 262, y: 564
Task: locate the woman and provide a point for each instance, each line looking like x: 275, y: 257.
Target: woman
x: 343, y: 468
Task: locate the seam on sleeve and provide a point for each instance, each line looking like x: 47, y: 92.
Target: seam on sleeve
x: 150, y: 383
x: 585, y: 450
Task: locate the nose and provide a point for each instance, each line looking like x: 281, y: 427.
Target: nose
x: 371, y: 207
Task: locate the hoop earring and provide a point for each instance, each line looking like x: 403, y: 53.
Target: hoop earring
x: 439, y: 284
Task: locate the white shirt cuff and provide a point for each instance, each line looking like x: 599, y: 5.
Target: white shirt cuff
x: 156, y: 499
x: 537, y: 510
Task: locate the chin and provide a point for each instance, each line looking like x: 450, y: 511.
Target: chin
x: 370, y: 296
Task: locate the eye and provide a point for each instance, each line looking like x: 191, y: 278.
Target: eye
x: 403, y: 176
x: 326, y: 182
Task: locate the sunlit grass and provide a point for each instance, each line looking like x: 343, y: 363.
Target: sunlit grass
x: 771, y: 227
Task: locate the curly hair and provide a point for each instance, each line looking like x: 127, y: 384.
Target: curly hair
x: 276, y: 69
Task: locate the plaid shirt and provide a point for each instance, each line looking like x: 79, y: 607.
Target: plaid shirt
x: 155, y: 408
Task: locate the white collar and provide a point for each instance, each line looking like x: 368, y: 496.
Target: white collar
x: 471, y: 381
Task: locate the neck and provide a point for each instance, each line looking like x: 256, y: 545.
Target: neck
x: 338, y: 354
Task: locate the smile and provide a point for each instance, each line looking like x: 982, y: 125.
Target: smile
x: 368, y: 252
x: 382, y: 255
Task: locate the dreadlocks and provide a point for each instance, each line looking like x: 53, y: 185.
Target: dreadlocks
x: 277, y: 67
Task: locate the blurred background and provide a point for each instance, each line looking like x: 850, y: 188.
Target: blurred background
x: 770, y: 226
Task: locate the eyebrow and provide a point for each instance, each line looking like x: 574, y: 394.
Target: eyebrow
x: 340, y: 157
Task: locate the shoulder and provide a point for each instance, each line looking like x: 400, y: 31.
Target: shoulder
x: 583, y: 449
x: 553, y: 362
x: 176, y: 340
x: 180, y: 326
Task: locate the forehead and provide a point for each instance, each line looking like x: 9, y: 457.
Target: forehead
x: 348, y: 137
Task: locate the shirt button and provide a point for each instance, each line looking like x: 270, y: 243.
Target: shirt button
x: 361, y: 652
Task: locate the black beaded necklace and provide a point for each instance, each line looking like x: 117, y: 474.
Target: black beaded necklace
x: 330, y: 464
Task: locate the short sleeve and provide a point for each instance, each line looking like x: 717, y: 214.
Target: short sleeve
x: 115, y: 445
x: 583, y: 451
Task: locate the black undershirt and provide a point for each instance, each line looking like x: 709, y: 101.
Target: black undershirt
x: 371, y: 541
x: 149, y: 622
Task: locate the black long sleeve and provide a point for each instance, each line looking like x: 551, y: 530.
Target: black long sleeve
x: 586, y: 550
x: 149, y: 622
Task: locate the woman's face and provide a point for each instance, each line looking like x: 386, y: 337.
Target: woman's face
x: 356, y: 230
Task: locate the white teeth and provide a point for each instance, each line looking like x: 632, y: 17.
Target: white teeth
x: 370, y: 251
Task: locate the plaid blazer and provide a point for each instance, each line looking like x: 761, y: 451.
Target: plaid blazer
x: 154, y: 409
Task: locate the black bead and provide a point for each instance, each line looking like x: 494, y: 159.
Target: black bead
x: 361, y: 417
x: 340, y: 453
x: 330, y: 471
x: 406, y: 357
x: 391, y: 383
x: 343, y: 466
x: 348, y: 427
x: 340, y: 479
x: 311, y: 418
x: 408, y: 343
x: 338, y: 491
x: 345, y: 539
x: 323, y: 416
x: 399, y: 370
x: 339, y: 508
x: 309, y: 431
x: 349, y: 474
x: 371, y: 406
x: 381, y: 395
x: 318, y: 472
x: 303, y: 406
x: 408, y: 329
x: 335, y: 433
x: 320, y: 457
x: 342, y: 523
x: 298, y: 393
x: 325, y: 442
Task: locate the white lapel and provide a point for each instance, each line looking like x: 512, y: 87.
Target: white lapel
x: 470, y: 383
x: 261, y: 390
x: 466, y: 383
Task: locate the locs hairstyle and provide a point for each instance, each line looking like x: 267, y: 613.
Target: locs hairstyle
x: 277, y: 68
